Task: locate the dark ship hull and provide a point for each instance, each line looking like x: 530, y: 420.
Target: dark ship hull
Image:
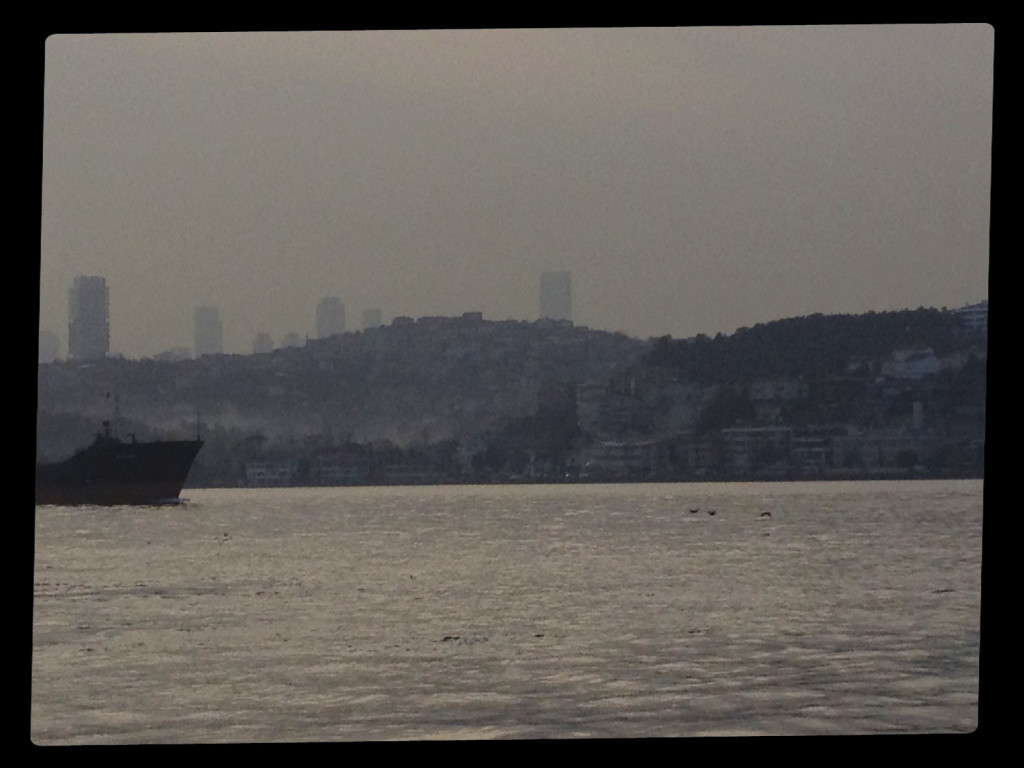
x: 112, y: 471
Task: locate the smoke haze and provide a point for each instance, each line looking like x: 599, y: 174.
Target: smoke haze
x: 692, y: 180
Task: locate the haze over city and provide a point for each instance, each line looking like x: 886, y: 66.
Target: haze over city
x: 692, y: 180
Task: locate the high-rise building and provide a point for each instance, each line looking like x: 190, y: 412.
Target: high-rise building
x: 371, y: 318
x: 88, y: 319
x: 330, y: 317
x: 556, y: 295
x: 209, y: 332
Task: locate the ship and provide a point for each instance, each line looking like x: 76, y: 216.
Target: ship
x: 112, y: 471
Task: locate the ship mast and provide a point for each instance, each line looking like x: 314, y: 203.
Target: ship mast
x: 117, y: 413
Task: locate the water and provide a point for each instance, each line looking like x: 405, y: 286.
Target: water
x: 525, y: 612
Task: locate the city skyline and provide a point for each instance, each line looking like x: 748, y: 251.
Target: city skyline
x: 693, y: 180
x: 208, y: 327
x: 554, y: 302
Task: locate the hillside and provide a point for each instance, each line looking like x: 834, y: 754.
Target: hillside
x: 464, y: 399
x: 411, y: 382
x: 815, y: 345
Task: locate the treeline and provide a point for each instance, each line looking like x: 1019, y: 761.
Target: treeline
x: 811, y: 346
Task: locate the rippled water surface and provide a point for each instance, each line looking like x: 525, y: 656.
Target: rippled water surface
x: 474, y: 612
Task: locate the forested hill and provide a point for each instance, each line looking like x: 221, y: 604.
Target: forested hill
x: 815, y: 345
x: 435, y: 379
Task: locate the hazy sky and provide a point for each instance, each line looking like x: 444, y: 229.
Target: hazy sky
x: 693, y: 180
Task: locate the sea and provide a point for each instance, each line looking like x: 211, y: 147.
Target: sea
x: 533, y: 612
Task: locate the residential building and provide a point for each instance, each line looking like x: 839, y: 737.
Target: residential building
x: 911, y: 364
x: 883, y: 450
x: 769, y: 397
x: 973, y: 317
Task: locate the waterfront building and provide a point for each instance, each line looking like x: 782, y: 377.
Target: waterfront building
x: 764, y: 447
x: 339, y: 468
x: 610, y: 458
x: 271, y: 472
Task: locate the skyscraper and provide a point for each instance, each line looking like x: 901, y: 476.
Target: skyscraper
x: 371, y: 318
x: 330, y: 317
x: 556, y: 295
x: 209, y: 332
x: 88, y: 319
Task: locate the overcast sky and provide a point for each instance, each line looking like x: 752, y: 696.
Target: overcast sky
x: 693, y: 180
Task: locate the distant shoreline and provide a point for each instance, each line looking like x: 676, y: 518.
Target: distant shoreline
x: 871, y: 477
